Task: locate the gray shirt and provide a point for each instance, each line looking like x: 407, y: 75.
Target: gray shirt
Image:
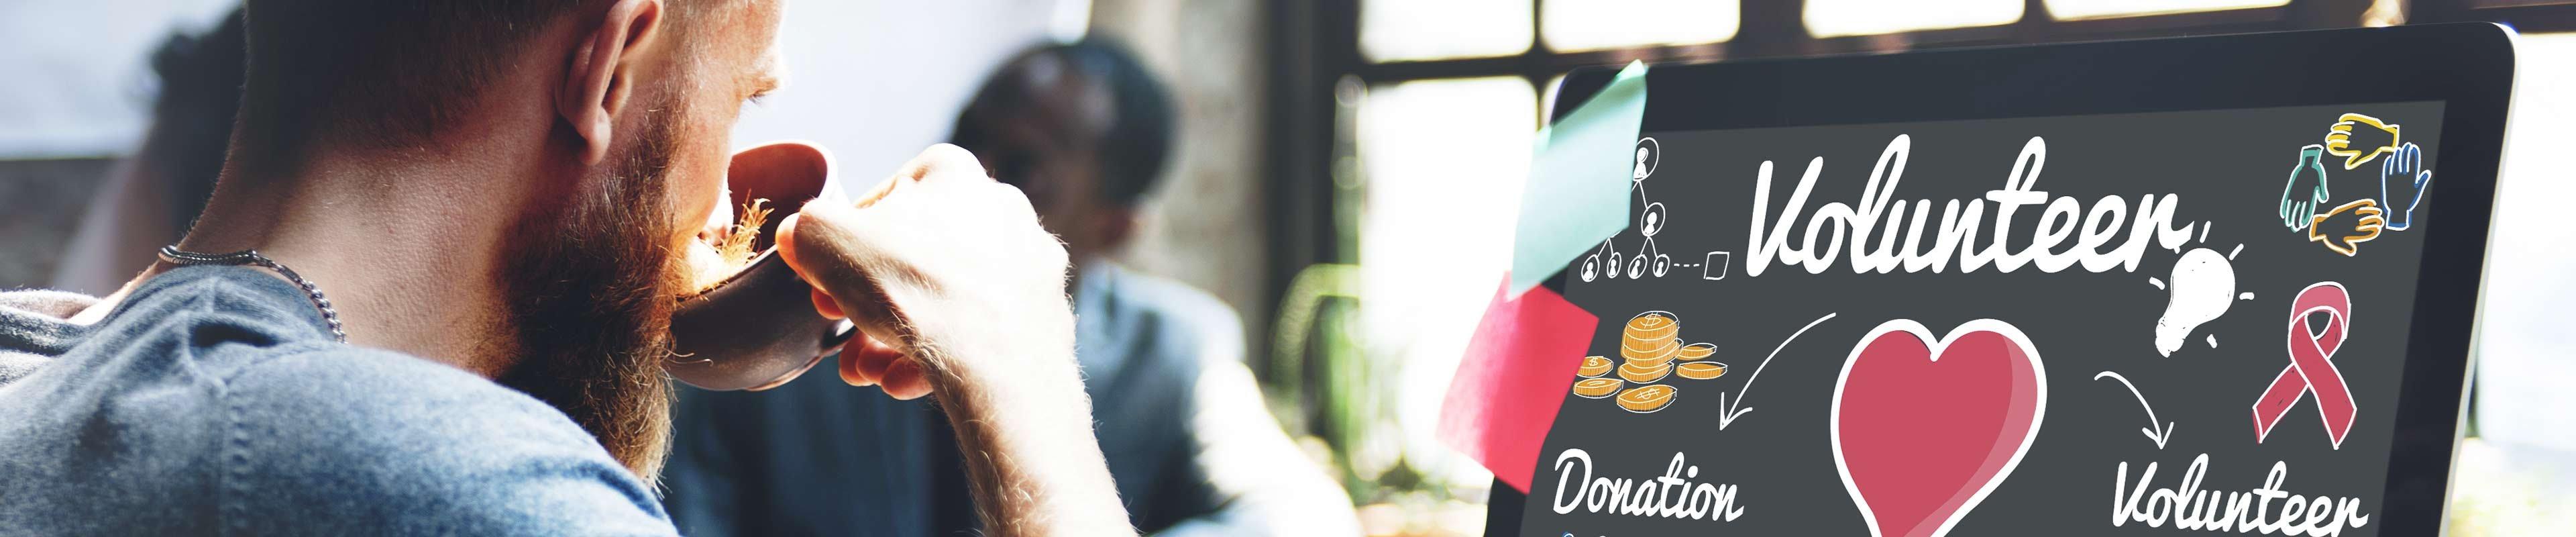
x: 214, y: 401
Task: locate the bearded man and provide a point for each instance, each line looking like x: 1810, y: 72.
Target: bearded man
x: 431, y: 292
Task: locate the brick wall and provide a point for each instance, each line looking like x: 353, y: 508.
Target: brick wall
x: 1208, y: 226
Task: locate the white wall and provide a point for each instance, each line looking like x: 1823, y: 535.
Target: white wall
x: 874, y: 80
x: 877, y: 81
x: 77, y: 83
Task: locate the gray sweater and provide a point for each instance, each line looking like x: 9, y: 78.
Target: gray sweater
x: 213, y: 401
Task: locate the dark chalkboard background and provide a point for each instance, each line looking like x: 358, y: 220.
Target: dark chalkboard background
x: 2229, y: 168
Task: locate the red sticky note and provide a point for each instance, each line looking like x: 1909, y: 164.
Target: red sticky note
x: 1516, y: 373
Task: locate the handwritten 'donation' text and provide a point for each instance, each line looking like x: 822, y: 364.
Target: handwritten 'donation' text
x: 1669, y: 496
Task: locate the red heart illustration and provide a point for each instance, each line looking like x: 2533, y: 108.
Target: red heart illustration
x: 1924, y: 428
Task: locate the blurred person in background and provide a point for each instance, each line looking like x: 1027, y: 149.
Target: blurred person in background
x: 151, y: 197
x: 496, y: 197
x: 1084, y: 129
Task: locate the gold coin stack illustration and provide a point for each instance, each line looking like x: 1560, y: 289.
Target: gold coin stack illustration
x: 1650, y: 349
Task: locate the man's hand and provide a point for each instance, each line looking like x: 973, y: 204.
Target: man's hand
x: 2344, y: 229
x: 2402, y: 179
x: 946, y: 272
x: 957, y: 290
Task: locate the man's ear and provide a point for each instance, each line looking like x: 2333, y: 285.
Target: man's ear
x: 602, y: 71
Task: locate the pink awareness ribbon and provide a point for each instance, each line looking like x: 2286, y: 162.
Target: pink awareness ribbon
x: 2310, y: 370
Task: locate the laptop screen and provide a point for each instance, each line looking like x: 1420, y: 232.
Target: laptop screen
x: 2186, y: 321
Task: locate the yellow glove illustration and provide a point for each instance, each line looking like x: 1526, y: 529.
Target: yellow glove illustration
x: 2339, y: 139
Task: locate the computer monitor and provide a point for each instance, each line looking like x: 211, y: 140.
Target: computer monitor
x: 2206, y: 285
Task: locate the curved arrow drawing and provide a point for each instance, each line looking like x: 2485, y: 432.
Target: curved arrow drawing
x: 2150, y: 430
x: 1727, y: 412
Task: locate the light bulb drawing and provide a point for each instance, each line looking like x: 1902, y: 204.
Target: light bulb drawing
x: 1651, y: 220
x: 2201, y: 288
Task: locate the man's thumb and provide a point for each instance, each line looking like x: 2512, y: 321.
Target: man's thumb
x: 818, y: 244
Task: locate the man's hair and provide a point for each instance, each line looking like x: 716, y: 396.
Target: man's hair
x: 1132, y: 148
x: 383, y: 73
x: 192, y: 116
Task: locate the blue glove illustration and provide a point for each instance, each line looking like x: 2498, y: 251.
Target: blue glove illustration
x: 2402, y: 180
x: 2306, y: 190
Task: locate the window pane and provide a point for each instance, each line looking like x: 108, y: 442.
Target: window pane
x: 1603, y: 24
x: 1433, y: 29
x: 1444, y: 161
x: 2523, y: 370
x: 2097, y: 9
x: 1830, y: 18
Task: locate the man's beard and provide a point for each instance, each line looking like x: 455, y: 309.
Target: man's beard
x: 591, y: 283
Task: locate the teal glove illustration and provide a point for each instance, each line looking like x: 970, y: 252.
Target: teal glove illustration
x: 2307, y: 189
x: 2402, y: 180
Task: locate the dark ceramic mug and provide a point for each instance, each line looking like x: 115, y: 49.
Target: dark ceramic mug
x: 758, y: 328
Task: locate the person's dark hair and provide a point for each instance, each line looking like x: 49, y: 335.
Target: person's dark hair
x: 192, y: 116
x: 1133, y: 147
x: 382, y: 73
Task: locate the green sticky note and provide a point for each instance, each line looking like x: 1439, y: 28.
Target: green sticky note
x: 1577, y: 194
